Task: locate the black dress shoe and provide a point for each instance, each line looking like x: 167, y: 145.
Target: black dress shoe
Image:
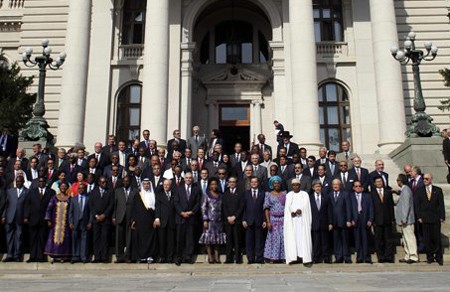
x: 369, y: 262
x: 390, y: 261
x: 338, y: 261
x: 86, y: 261
x: 228, y: 262
x: 8, y: 260
x: 348, y: 261
x: 32, y: 261
x: 18, y: 260
x: 177, y: 262
x: 441, y: 262
x: 359, y: 261
x: 96, y: 261
x: 308, y: 265
x: 429, y: 261
x: 402, y: 261
x: 410, y: 261
x: 121, y: 261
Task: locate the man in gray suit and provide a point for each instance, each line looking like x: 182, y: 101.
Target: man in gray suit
x: 80, y: 224
x: 404, y: 217
x: 305, y: 180
x: 196, y: 141
x: 346, y: 154
x: 258, y: 170
x: 13, y: 216
x: 123, y: 200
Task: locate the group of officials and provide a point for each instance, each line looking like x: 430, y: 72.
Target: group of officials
x: 155, y: 204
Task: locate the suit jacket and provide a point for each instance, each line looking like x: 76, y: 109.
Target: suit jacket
x: 364, y: 177
x: 194, y: 145
x: 143, y: 163
x: 118, y: 184
x: 184, y: 164
x: 71, y: 176
x: 80, y: 219
x: 84, y: 164
x: 165, y: 208
x: 266, y: 147
x: 351, y: 156
x: 288, y: 172
x: 103, y: 160
x: 374, y: 174
x: 348, y: 186
x: 446, y: 148
x: 52, y: 178
x: 329, y: 173
x: 107, y: 170
x: 254, y: 211
x: 238, y: 170
x: 318, y: 162
x: 64, y: 162
x: 233, y: 159
x: 293, y: 148
x: 122, y: 205
x: 313, y: 174
x: 157, y: 185
x: 23, y: 163
x: 101, y: 205
x: 433, y: 210
x: 326, y: 185
x: 383, y: 210
x: 404, y: 211
x: 233, y: 205
x: 35, y: 206
x: 261, y: 173
x: 341, y: 209
x: 183, y: 204
x: 15, y: 205
x: 209, y: 165
x: 305, y: 183
x: 182, y: 146
x: 367, y: 212
x: 323, y: 217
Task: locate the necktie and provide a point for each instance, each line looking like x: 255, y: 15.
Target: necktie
x: 318, y: 202
x: 232, y: 191
x: 188, y: 192
x: 127, y: 194
x: 42, y: 193
x: 380, y: 194
x: 49, y: 174
x: 335, y: 196
x: 189, y: 161
x: 114, y: 182
x: 262, y: 148
x: 204, y: 186
x: 283, y: 168
x: 344, y: 180
x: 195, y: 175
x: 428, y: 193
x: 414, y: 185
x: 255, y: 168
x: 358, y: 196
x: 346, y: 155
x: 101, y: 193
x: 196, y: 139
x: 358, y: 172
x: 168, y: 195
x: 81, y: 202
x: 254, y: 196
x: 332, y: 167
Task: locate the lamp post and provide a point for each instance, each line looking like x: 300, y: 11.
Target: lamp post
x: 421, y: 122
x: 37, y: 128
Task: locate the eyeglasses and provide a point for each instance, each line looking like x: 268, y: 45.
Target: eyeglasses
x: 221, y: 173
x: 427, y: 178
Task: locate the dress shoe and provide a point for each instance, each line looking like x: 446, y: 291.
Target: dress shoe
x: 441, y: 262
x: 86, y: 261
x: 96, y: 261
x: 121, y: 261
x: 349, y: 261
x: 74, y: 261
x: 369, y: 262
x: 238, y: 262
x: 429, y: 261
x: 32, y: 261
x: 8, y: 260
x: 327, y: 261
x: 390, y: 261
x: 359, y: 261
x: 338, y: 261
x: 308, y: 265
x: 250, y: 262
x: 411, y: 261
x: 178, y: 262
x: 402, y: 261
x: 228, y: 262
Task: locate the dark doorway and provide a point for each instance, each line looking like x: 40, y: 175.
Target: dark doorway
x: 233, y: 135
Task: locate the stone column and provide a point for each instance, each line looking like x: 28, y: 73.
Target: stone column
x: 305, y: 104
x: 391, y: 107
x: 75, y: 73
x: 186, y: 88
x: 256, y: 119
x: 156, y: 70
x: 212, y: 116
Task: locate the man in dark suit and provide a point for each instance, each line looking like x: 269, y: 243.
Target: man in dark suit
x: 341, y: 222
x: 93, y: 168
x: 182, y: 144
x: 142, y: 159
x: 291, y: 147
x: 379, y: 172
x: 236, y: 156
x: 72, y: 169
x: 37, y: 152
x: 362, y: 219
x: 214, y: 164
x: 80, y: 223
x: 214, y: 140
x: 305, y: 180
x: 286, y: 171
x: 81, y: 159
x: 34, y: 215
x: 115, y: 181
x: 187, y: 205
x: 111, y: 147
x: 383, y: 205
x: 322, y: 159
x: 114, y: 161
x: 322, y: 223
x: 239, y: 167
x: 186, y: 161
x: 431, y: 214
x: 145, y: 143
x: 157, y: 178
x: 360, y: 173
x: 311, y: 169
x: 101, y: 205
x: 262, y: 146
x: 232, y: 211
x: 20, y: 155
x: 344, y: 176
x: 331, y: 166
x: 61, y: 160
x: 102, y: 160
x: 13, y: 216
x: 322, y: 177
x: 8, y: 143
x: 416, y: 183
x: 446, y: 150
x: 253, y: 222
x: 52, y: 173
x: 33, y: 170
x: 121, y: 218
x: 165, y: 214
x: 196, y: 142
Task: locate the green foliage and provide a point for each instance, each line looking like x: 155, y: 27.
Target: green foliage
x: 16, y: 105
x: 445, y: 104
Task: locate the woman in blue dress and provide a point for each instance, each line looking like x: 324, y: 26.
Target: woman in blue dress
x: 274, y: 211
x: 213, y: 234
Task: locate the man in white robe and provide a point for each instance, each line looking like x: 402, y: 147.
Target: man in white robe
x: 297, y: 226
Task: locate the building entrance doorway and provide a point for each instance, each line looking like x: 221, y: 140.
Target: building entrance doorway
x: 234, y: 125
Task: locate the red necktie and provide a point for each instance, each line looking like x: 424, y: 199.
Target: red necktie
x: 49, y: 174
x: 414, y: 185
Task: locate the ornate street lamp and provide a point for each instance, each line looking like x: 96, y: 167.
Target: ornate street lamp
x: 421, y: 122
x: 37, y: 128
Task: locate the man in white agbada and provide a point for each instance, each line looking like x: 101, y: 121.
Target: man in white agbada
x: 297, y: 225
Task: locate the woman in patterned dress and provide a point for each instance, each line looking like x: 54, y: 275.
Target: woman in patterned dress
x: 213, y: 234
x: 59, y: 245
x: 274, y: 212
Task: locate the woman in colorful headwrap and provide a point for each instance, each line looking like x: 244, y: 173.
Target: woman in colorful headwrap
x: 274, y: 212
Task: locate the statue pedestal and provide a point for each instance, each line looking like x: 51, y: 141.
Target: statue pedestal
x: 425, y: 153
x: 28, y: 146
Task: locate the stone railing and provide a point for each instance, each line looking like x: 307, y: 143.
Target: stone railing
x: 131, y: 51
x: 332, y: 49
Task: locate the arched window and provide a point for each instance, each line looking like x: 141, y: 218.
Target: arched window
x: 334, y: 110
x: 129, y: 113
x: 328, y: 20
x: 133, y: 24
x: 234, y: 42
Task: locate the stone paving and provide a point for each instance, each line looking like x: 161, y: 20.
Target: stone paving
x: 204, y: 277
